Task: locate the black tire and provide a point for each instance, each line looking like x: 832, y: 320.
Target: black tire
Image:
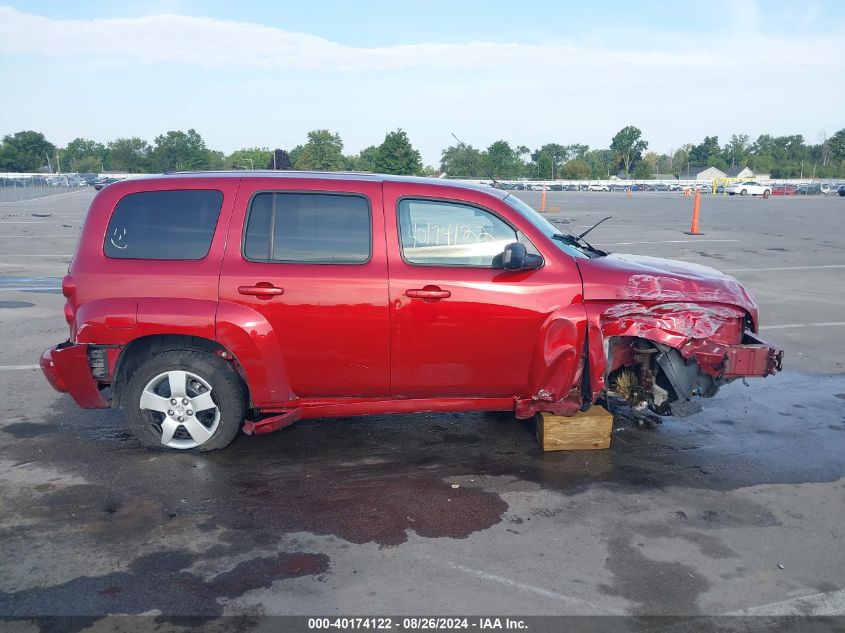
x: 743, y: 192
x: 226, y: 393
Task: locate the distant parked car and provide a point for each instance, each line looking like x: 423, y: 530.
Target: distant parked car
x: 842, y: 190
x: 808, y: 189
x: 830, y: 189
x: 748, y: 188
x: 555, y: 187
x: 571, y: 188
x: 598, y: 187
x: 538, y: 187
x: 617, y: 187
x: 784, y: 190
x: 660, y: 186
x: 104, y: 182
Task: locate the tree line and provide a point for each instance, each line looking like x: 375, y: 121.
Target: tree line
x: 781, y: 156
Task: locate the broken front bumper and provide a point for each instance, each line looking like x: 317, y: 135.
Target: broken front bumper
x: 67, y: 370
x: 753, y: 357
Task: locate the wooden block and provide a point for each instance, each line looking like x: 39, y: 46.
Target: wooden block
x: 584, y: 431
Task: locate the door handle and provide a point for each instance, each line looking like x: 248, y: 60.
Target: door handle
x: 262, y: 290
x: 428, y: 293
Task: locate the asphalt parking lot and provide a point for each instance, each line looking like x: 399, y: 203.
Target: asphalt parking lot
x: 737, y: 509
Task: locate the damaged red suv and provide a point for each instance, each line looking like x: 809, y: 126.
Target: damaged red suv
x: 207, y: 303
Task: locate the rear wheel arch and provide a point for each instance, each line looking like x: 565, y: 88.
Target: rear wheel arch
x: 141, y: 349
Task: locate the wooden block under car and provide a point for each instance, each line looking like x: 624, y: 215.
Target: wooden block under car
x: 584, y: 431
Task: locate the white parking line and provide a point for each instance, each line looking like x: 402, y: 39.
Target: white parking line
x: 73, y: 235
x: 787, y: 326
x: 753, y: 270
x: 55, y: 195
x: 832, y: 603
x: 29, y: 288
x: 17, y: 367
x: 659, y: 242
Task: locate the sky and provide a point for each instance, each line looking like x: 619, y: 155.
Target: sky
x: 262, y: 74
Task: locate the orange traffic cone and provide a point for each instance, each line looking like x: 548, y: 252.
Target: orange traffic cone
x: 543, y: 202
x: 696, y: 207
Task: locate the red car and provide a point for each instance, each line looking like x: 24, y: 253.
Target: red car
x: 204, y: 304
x: 784, y: 190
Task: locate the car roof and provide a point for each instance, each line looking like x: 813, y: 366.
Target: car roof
x: 325, y: 175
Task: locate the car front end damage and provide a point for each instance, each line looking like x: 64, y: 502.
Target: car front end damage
x: 659, y: 357
x: 670, y: 331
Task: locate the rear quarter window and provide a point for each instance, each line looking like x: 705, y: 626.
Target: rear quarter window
x: 163, y: 225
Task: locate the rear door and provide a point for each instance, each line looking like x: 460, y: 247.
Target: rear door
x: 308, y: 257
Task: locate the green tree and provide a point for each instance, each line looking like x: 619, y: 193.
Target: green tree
x: 575, y: 169
x: 249, y: 158
x: 83, y: 155
x: 628, y: 146
x: 25, y: 151
x: 366, y: 160
x: 837, y: 146
x: 707, y: 154
x: 396, y: 155
x: 643, y: 171
x: 502, y: 161
x: 279, y: 160
x: 546, y: 159
x: 601, y: 162
x: 735, y: 153
x: 129, y: 155
x: 322, y: 152
x: 461, y: 161
x: 177, y: 151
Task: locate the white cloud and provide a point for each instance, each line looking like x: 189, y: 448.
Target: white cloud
x: 209, y: 73
x: 210, y: 42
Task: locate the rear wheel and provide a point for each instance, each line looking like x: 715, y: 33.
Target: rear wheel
x: 744, y: 192
x: 185, y: 400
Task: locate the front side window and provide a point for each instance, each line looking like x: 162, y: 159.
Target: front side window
x: 435, y: 232
x: 309, y: 228
x: 163, y: 225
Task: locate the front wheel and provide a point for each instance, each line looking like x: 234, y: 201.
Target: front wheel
x: 185, y: 400
x: 744, y: 192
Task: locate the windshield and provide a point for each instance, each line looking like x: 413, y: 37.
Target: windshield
x: 541, y: 223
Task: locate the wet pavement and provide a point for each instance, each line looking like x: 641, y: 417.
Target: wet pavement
x: 735, y: 508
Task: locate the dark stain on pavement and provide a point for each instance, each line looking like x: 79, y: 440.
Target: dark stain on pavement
x: 139, y: 588
x: 15, y: 304
x: 29, y: 429
x: 656, y: 587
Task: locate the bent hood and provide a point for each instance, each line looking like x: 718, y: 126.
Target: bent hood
x: 641, y: 278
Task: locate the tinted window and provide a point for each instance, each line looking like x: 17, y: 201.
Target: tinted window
x: 451, y: 234
x: 314, y: 228
x: 163, y: 225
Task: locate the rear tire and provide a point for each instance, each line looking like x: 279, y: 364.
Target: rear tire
x: 744, y: 192
x: 185, y: 401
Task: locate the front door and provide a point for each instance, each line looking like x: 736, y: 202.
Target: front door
x: 310, y: 261
x: 460, y: 326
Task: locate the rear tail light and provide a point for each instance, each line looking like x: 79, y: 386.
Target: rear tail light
x: 69, y: 291
x: 68, y: 287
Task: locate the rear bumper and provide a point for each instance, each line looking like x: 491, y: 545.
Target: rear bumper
x: 753, y: 357
x: 66, y: 368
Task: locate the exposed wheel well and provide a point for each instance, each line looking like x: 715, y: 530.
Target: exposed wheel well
x: 141, y: 349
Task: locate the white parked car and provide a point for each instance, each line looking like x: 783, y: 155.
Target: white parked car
x: 748, y: 188
x: 540, y: 188
x: 598, y: 187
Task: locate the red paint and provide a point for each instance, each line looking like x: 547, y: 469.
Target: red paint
x: 385, y: 336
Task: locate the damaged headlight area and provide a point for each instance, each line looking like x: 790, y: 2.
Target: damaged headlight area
x: 661, y: 356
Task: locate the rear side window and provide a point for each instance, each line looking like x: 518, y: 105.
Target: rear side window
x: 163, y: 225
x: 309, y: 228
